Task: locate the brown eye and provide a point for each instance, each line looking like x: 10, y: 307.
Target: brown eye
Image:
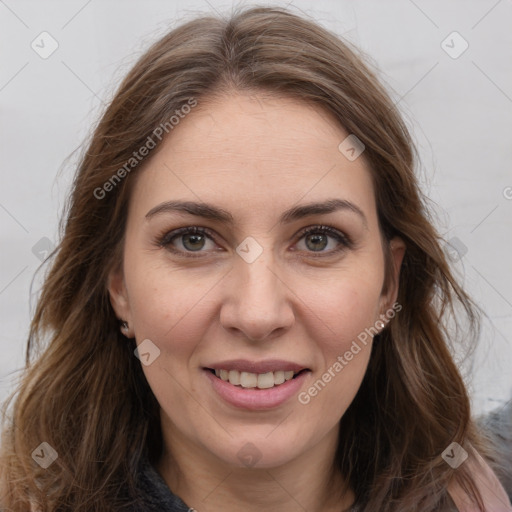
x: 193, y: 242
x: 316, y: 242
x: 323, y: 240
x: 192, y: 239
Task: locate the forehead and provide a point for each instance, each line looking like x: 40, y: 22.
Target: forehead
x: 255, y: 153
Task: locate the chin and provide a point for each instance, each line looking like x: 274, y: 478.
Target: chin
x: 258, y: 453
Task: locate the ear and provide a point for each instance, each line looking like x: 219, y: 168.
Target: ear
x: 119, y: 296
x: 396, y: 251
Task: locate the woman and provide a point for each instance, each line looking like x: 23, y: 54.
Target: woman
x: 246, y: 309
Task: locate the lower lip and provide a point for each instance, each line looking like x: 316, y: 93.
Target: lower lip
x: 256, y: 399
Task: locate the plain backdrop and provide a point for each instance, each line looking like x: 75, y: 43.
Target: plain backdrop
x: 447, y: 64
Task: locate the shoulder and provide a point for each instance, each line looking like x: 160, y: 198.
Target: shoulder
x: 153, y: 492
x: 498, y: 426
x: 493, y: 494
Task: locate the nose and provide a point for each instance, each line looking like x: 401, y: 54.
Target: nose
x: 257, y: 302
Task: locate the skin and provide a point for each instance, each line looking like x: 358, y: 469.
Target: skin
x: 254, y: 156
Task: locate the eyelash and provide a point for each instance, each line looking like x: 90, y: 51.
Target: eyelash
x: 165, y: 240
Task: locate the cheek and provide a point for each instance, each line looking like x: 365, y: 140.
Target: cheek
x: 343, y: 309
x: 169, y: 307
x: 174, y: 311
x: 342, y: 322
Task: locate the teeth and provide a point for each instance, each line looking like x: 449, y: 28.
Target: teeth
x: 255, y: 380
x: 234, y: 377
x: 278, y: 377
x: 248, y: 380
x: 266, y: 380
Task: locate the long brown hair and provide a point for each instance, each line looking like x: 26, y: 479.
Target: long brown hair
x: 85, y: 393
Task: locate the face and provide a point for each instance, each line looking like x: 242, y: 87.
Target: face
x: 253, y: 254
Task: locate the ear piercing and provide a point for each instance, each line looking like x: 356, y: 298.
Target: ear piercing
x: 124, y: 325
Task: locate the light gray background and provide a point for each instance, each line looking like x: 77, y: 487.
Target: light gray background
x: 459, y: 111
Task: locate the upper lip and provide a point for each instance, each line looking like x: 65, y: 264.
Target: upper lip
x: 270, y: 365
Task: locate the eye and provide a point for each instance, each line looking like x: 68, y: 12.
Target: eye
x: 322, y: 240
x: 195, y: 241
x: 192, y: 239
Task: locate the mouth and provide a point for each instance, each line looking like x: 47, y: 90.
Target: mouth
x: 255, y: 381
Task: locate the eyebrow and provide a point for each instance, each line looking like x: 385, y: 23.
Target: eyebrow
x: 208, y: 211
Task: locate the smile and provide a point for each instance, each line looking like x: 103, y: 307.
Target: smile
x: 249, y: 380
x: 256, y: 386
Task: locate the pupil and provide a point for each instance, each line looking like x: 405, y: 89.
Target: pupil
x: 193, y: 242
x: 318, y: 242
